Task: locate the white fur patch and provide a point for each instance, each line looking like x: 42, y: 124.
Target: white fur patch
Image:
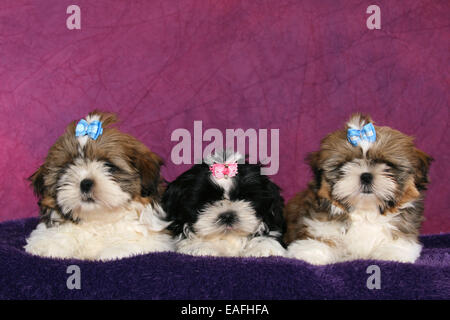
x: 225, y: 183
x: 207, y: 223
x: 312, y: 251
x: 231, y: 246
x: 154, y: 218
x: 369, y: 236
x: 263, y: 247
x: 106, y: 192
x: 356, y: 123
x: 124, y: 235
x: 227, y: 245
x: 334, y: 210
x: 350, y: 189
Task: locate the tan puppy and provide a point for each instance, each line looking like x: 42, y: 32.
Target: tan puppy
x: 99, y: 192
x: 366, y: 200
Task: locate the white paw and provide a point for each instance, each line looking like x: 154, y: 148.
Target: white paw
x: 48, y: 249
x: 312, y: 251
x: 263, y: 247
x: 198, y: 251
x: 47, y: 242
x: 400, y: 250
x: 117, y: 252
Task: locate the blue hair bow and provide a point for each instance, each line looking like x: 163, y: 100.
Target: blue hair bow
x: 93, y: 129
x: 367, y: 133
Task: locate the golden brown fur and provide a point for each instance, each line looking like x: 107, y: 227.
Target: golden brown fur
x: 399, y: 162
x: 138, y: 169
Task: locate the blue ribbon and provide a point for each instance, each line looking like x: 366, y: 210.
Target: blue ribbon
x: 93, y: 129
x: 367, y: 133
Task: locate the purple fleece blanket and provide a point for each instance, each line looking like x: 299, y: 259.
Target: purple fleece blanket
x: 176, y: 276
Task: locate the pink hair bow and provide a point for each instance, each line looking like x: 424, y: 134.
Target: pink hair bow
x: 224, y: 170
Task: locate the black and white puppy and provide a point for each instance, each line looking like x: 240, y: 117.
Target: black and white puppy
x: 222, y: 208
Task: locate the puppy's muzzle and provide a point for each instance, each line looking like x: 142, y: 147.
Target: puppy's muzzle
x: 366, y: 182
x: 228, y: 218
x: 86, y: 185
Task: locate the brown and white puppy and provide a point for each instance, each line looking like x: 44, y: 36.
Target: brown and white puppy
x: 99, y: 198
x: 365, y: 202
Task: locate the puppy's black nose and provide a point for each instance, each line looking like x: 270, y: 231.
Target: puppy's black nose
x: 366, y: 178
x: 86, y: 185
x: 227, y: 218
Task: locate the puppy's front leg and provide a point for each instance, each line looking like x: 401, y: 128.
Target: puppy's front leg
x: 400, y: 250
x: 195, y: 247
x: 263, y: 247
x: 312, y: 251
x: 54, y: 242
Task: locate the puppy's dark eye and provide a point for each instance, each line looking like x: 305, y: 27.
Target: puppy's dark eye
x: 338, y: 167
x: 111, y: 167
x: 393, y: 168
x: 390, y: 165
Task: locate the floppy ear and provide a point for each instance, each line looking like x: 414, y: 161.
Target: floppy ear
x: 322, y: 187
x: 275, y: 220
x: 312, y: 159
x: 172, y: 203
x: 422, y: 166
x: 148, y: 165
x: 37, y: 182
x: 180, y: 197
x: 49, y: 213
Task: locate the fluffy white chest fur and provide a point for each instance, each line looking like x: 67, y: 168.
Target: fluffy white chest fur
x: 104, y: 235
x: 367, y: 235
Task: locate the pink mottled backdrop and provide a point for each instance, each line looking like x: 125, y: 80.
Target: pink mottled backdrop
x: 300, y: 66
